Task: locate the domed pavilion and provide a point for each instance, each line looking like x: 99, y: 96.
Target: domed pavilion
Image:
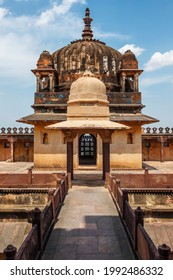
x: 87, y: 107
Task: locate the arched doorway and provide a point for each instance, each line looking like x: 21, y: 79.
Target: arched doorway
x: 87, y: 149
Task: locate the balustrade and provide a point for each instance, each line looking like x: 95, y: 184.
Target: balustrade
x: 15, y: 130
x: 30, y: 130
x: 155, y: 130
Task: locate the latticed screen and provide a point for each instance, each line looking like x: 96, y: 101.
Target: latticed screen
x: 87, y: 145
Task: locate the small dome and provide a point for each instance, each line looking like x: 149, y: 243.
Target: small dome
x: 45, y: 60
x: 88, y: 99
x: 129, y: 55
x: 129, y: 60
x: 88, y: 87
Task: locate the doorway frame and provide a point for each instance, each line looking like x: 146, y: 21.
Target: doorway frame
x: 89, y: 147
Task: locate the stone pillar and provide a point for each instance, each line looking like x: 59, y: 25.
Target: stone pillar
x: 29, y: 176
x: 106, y: 140
x: 70, y: 158
x: 12, y: 141
x: 51, y: 198
x: 161, y: 149
x: 139, y: 219
x: 136, y: 82
x: 125, y: 198
x: 40, y: 84
x: 116, y: 186
x: 123, y: 82
x: 36, y: 220
x: 59, y: 183
x: 69, y: 137
x: 146, y: 177
x: 37, y: 83
x: 51, y: 82
x: 106, y: 159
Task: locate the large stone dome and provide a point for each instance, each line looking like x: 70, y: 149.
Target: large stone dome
x: 87, y: 54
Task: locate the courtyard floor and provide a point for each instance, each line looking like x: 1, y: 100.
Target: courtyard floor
x: 22, y: 167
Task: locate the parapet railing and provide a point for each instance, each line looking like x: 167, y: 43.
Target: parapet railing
x: 155, y: 130
x: 42, y: 224
x: 24, y: 182
x: 15, y: 130
x: 134, y: 223
x: 30, y: 130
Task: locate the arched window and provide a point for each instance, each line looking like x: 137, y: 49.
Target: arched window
x: 130, y: 138
x: 45, y: 138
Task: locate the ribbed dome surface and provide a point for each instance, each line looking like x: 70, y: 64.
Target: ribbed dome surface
x: 87, y: 54
x: 82, y: 55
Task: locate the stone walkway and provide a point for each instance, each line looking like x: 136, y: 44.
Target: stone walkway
x: 88, y: 227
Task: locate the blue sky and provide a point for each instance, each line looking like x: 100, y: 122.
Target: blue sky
x: 27, y: 27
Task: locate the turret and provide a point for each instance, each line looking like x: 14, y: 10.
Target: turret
x: 45, y: 73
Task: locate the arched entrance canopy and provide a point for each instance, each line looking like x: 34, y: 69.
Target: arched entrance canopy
x: 104, y: 128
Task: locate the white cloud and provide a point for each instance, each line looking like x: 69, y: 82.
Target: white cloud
x: 55, y: 10
x: 22, y: 40
x: 159, y: 60
x: 136, y: 50
x: 3, y: 12
x: 16, y: 55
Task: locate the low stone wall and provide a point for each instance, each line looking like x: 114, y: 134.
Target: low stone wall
x: 42, y: 225
x: 144, y: 180
x: 29, y: 179
x: 134, y: 223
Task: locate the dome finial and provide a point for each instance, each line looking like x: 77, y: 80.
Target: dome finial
x: 87, y: 32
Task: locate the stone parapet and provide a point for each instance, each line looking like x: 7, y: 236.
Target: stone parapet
x: 155, y: 130
x: 15, y: 130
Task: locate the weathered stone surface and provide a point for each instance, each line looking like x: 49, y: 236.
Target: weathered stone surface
x: 13, y: 233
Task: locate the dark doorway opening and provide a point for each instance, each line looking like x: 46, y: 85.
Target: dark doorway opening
x: 87, y: 149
